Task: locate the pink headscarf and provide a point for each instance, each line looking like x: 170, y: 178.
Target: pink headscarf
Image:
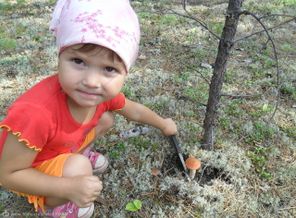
x: 109, y: 23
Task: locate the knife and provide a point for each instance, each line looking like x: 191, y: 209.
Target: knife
x: 174, y: 141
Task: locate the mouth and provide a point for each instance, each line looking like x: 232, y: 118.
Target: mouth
x: 87, y: 94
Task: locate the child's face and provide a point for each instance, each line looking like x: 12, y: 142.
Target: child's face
x: 92, y: 77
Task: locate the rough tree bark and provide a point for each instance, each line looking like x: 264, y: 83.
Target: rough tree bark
x: 225, y: 46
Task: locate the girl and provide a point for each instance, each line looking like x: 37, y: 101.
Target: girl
x: 45, y: 137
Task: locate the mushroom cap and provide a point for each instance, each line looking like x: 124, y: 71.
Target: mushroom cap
x: 192, y: 163
x: 155, y: 171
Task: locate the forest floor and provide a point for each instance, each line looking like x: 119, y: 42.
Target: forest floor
x: 252, y: 170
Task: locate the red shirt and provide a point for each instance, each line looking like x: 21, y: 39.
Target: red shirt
x: 40, y: 118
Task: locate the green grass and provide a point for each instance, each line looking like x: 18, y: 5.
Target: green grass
x: 7, y: 44
x: 230, y: 76
x: 159, y: 105
x: 20, y: 29
x: 169, y: 20
x: 52, y: 2
x: 198, y: 93
x: 142, y: 144
x: 191, y: 36
x: 271, y: 6
x: 194, y: 129
x: 128, y: 91
x: 290, y: 131
x: 289, y: 90
x: 265, y: 58
x: 1, y: 208
x: 161, y: 20
x: 287, y: 47
x: 20, y: 63
x: 259, y: 111
x: 3, y: 32
x: 171, y: 47
x: 182, y: 77
x: 117, y: 150
x: 259, y: 158
x: 261, y: 132
x: 287, y: 2
x: 224, y: 122
x: 6, y: 5
x: 234, y: 108
x: 217, y: 27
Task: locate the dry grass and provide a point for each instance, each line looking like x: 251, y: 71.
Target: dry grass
x: 251, y: 172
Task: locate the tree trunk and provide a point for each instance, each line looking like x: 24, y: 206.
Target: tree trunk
x: 225, y: 46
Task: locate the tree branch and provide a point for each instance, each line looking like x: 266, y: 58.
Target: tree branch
x: 270, y: 28
x: 196, y: 20
x: 190, y: 16
x: 275, y: 57
x: 200, y: 73
x: 239, y: 96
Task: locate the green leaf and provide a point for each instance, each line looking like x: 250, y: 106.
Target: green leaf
x: 265, y: 107
x: 130, y: 207
x: 138, y: 204
x: 134, y: 206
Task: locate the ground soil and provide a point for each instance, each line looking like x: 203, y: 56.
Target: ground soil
x: 251, y: 171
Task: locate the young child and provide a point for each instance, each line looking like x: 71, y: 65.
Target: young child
x: 45, y: 137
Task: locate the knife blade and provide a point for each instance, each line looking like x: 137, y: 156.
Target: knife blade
x: 174, y: 141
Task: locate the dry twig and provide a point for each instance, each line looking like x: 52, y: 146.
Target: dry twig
x: 275, y: 57
x: 191, y: 17
x: 240, y: 96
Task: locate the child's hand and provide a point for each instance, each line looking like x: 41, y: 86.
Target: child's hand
x: 170, y: 127
x: 84, y: 190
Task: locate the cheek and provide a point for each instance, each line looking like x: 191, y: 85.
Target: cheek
x: 63, y: 81
x: 115, y: 85
x: 68, y: 73
x: 66, y: 78
x: 120, y: 83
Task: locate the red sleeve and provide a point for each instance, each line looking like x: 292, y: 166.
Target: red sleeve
x: 29, y: 123
x: 117, y: 103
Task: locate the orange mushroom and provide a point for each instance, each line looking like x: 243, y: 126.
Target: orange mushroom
x: 192, y: 164
x: 155, y: 171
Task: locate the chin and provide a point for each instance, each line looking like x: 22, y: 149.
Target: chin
x: 86, y: 104
x: 90, y: 104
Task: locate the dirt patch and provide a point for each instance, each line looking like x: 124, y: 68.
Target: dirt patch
x: 239, y: 178
x: 205, y: 176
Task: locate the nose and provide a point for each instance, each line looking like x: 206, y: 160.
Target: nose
x: 92, y: 79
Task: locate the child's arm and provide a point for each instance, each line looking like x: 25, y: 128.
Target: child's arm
x: 140, y: 113
x: 17, y: 174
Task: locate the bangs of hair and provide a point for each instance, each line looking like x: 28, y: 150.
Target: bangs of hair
x: 97, y: 49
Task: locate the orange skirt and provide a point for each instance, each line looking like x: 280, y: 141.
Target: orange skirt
x: 54, y: 167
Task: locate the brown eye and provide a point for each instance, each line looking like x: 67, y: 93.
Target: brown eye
x: 78, y: 61
x: 110, y: 69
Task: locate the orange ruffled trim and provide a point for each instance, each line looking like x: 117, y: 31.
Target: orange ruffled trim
x: 18, y: 134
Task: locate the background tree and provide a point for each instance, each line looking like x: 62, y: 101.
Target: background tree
x: 225, y: 45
